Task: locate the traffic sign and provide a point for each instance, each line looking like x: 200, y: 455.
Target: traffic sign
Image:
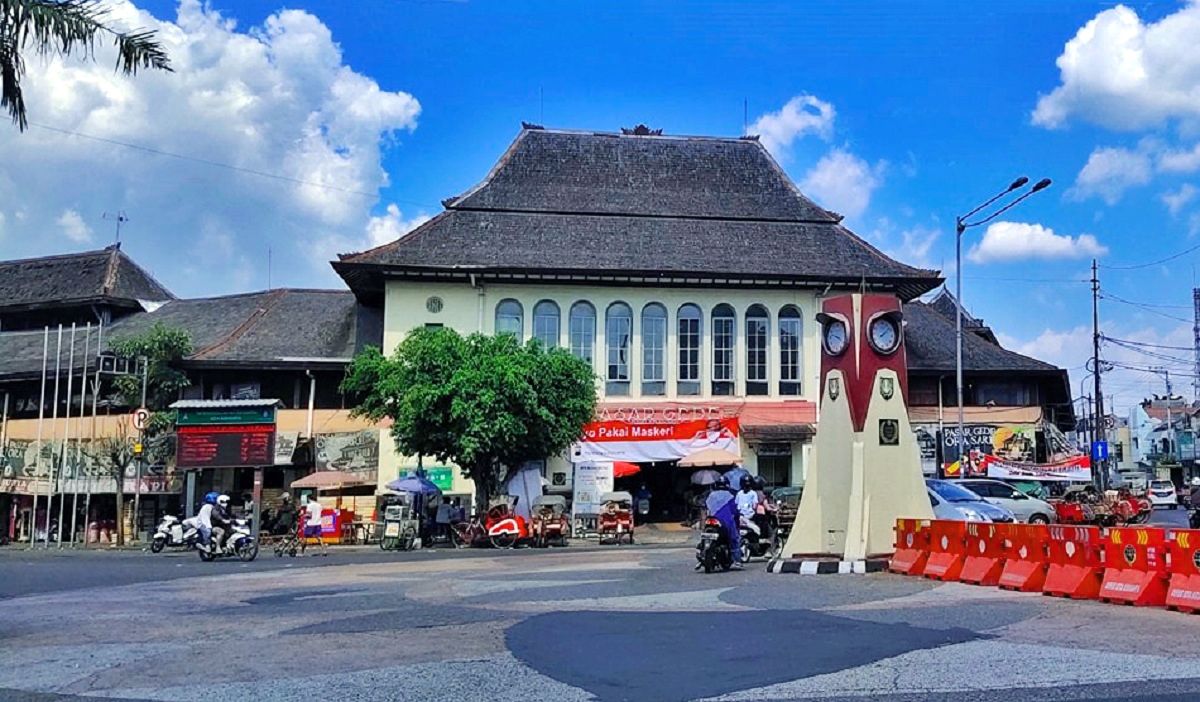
x: 1100, y: 450
x: 141, y: 418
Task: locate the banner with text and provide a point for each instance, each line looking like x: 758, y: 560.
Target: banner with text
x: 1077, y: 469
x: 649, y: 442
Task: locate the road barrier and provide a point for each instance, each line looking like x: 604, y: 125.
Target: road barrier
x: 1025, y: 567
x: 1135, y: 566
x: 1183, y: 552
x: 985, y: 554
x: 912, y: 546
x: 946, y: 545
x: 1076, y: 562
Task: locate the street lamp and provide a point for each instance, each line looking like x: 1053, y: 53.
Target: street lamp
x: 961, y: 225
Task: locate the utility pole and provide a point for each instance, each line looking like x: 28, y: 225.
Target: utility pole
x: 1100, y: 473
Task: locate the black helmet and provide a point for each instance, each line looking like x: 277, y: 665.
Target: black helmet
x: 721, y: 483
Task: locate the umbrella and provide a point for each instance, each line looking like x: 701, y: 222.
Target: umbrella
x: 624, y: 469
x: 414, y: 483
x: 328, y: 480
x: 736, y: 476
x: 707, y: 476
x: 709, y: 457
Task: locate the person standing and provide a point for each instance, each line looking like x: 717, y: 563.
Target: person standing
x: 312, y: 525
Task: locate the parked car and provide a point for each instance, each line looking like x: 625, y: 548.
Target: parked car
x: 952, y: 501
x: 1162, y: 494
x: 1024, y: 507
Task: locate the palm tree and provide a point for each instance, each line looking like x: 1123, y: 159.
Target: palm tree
x: 65, y: 27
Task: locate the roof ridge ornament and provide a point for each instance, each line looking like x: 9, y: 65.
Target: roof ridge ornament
x: 530, y: 125
x: 640, y: 130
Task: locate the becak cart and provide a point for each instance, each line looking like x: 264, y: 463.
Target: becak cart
x: 505, y: 527
x: 550, y: 522
x: 616, y: 517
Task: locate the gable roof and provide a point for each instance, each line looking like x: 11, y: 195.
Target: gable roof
x: 946, y: 305
x: 929, y: 340
x: 105, y: 276
x: 664, y: 210
x: 275, y: 328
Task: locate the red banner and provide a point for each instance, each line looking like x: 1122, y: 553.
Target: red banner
x: 640, y: 442
x: 1076, y: 469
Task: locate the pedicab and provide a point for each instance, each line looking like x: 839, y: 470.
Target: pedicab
x: 616, y: 517
x: 400, y: 527
x: 1084, y: 505
x: 550, y: 523
x: 505, y: 528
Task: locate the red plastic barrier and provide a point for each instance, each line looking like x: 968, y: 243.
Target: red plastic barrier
x: 912, y: 547
x: 1026, y: 564
x: 1076, y: 562
x: 1183, y: 549
x: 946, y: 555
x: 1135, y: 566
x: 985, y: 555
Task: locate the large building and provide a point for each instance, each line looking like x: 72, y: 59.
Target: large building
x: 686, y: 270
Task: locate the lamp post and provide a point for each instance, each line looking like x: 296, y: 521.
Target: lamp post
x: 961, y: 225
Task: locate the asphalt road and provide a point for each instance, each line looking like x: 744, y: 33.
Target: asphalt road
x: 607, y: 624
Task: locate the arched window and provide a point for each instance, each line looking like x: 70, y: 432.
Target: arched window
x: 758, y: 338
x: 654, y: 349
x: 791, y: 360
x: 545, y: 323
x: 688, y: 335
x: 510, y: 319
x: 582, y: 330
x: 724, y: 338
x: 618, y: 333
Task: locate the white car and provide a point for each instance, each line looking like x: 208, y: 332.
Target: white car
x: 1162, y: 494
x: 1024, y: 508
x: 954, y: 502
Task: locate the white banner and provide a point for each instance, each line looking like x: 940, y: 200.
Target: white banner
x: 591, y: 481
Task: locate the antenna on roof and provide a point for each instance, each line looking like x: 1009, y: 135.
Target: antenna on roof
x: 268, y: 268
x: 745, y: 116
x: 121, y: 218
x: 541, y: 104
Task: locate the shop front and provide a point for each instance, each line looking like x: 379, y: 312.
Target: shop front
x: 669, y: 453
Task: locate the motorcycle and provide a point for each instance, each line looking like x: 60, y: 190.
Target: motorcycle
x: 239, y: 542
x: 759, y: 546
x: 173, y: 532
x: 1194, y: 519
x: 714, y: 551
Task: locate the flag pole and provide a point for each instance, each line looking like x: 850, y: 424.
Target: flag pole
x: 66, y: 442
x: 87, y: 347
x: 37, y: 456
x: 53, y: 435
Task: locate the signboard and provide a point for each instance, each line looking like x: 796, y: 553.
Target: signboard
x: 285, y: 445
x: 141, y: 417
x: 226, y: 446
x: 441, y: 476
x: 1008, y: 442
x: 1077, y: 469
x: 648, y: 442
x: 591, y: 481
x: 1186, y: 442
x: 1100, y: 450
x: 233, y: 415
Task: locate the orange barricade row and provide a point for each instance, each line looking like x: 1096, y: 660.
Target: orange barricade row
x: 1183, y: 552
x: 912, y: 547
x: 985, y: 554
x: 1025, y: 567
x: 1135, y: 566
x: 946, y: 544
x: 1076, y: 562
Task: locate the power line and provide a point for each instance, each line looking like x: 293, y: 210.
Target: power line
x: 1172, y: 257
x: 1114, y: 298
x: 1143, y: 343
x: 218, y: 164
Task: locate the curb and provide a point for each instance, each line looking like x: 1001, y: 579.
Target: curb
x: 801, y: 566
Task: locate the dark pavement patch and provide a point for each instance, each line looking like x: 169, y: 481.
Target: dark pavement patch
x: 418, y: 616
x: 635, y: 656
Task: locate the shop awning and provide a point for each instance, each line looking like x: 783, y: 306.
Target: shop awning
x: 976, y: 415
x: 329, y: 480
x: 778, y: 421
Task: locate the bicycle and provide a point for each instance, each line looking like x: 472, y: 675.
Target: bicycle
x: 467, y: 533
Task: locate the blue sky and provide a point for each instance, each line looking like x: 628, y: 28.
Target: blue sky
x: 930, y: 108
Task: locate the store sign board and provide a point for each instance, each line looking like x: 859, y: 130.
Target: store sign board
x: 226, y: 446
x: 592, y: 479
x: 216, y: 417
x: 645, y: 442
x: 441, y: 476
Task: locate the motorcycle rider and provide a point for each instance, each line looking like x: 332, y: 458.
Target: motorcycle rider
x: 204, y: 521
x: 222, y: 522
x: 285, y: 517
x: 747, y: 505
x: 722, y: 506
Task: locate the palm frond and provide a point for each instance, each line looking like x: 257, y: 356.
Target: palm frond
x: 69, y: 27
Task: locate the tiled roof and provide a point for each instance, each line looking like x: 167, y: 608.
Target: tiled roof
x: 652, y: 206
x: 930, y: 345
x: 106, y: 275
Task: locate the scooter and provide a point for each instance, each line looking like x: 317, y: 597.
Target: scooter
x: 762, y: 545
x: 173, y: 532
x: 239, y: 543
x: 714, y: 551
x: 1194, y: 519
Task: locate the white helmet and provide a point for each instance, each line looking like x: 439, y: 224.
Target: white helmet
x: 1195, y: 482
x: 223, y: 500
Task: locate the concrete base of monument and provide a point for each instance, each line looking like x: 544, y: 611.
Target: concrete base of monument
x: 827, y: 565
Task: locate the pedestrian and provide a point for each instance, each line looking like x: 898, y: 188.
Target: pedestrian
x: 312, y: 525
x: 442, y: 518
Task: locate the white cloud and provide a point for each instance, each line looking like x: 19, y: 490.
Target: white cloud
x: 73, y: 227
x: 1110, y: 171
x: 1123, y: 73
x: 391, y: 226
x: 276, y: 98
x: 802, y: 115
x: 843, y: 182
x: 1018, y: 241
x: 1176, y: 200
x: 1180, y: 161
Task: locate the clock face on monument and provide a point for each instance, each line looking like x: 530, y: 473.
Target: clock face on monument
x: 885, y: 335
x: 836, y: 338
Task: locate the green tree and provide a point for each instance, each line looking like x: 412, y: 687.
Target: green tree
x: 46, y: 27
x: 485, y: 403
